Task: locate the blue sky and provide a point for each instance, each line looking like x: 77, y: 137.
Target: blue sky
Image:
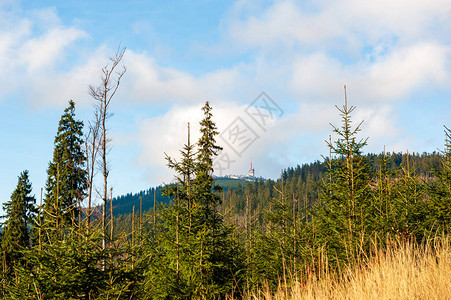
x: 394, y: 57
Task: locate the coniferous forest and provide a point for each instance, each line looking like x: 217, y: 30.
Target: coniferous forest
x: 198, y: 239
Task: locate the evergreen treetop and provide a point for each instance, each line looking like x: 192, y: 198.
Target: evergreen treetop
x: 345, y: 195
x: 195, y: 248
x: 207, y: 143
x: 439, y: 207
x: 66, y: 181
x: 20, y: 212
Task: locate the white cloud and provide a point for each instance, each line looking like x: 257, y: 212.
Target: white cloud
x: 58, y: 87
x: 45, y: 50
x: 166, y: 133
x: 407, y: 69
x: 390, y: 77
x: 391, y: 71
x: 407, y: 19
x: 146, y: 81
x: 45, y: 18
x: 283, y: 22
x: 32, y: 50
x: 339, y: 24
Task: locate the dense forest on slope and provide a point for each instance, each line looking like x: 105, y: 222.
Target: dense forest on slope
x: 300, y: 181
x: 206, y: 242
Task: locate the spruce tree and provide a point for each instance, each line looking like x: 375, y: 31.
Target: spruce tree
x: 70, y: 268
x: 409, y: 210
x: 66, y: 181
x: 384, y: 198
x: 439, y: 206
x: 219, y: 260
x: 196, y: 256
x: 344, y: 207
x: 20, y: 212
x: 204, y: 166
x: 173, y: 273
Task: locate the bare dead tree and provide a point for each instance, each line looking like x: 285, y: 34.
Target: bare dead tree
x: 110, y: 79
x: 92, y: 148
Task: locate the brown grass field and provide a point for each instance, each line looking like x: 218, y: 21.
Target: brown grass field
x: 400, y: 271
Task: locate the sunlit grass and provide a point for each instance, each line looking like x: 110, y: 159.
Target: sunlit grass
x: 400, y: 271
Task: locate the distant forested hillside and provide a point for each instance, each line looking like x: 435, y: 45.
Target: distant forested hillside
x: 300, y: 182
x: 124, y: 204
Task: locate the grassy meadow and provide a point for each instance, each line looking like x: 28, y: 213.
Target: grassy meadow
x: 402, y: 270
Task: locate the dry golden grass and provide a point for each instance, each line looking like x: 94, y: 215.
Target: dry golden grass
x: 398, y: 272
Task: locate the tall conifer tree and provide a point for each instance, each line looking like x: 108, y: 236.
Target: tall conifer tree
x: 66, y: 181
x: 197, y: 257
x: 344, y: 199
x: 204, y: 182
x: 439, y: 210
x: 20, y: 212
